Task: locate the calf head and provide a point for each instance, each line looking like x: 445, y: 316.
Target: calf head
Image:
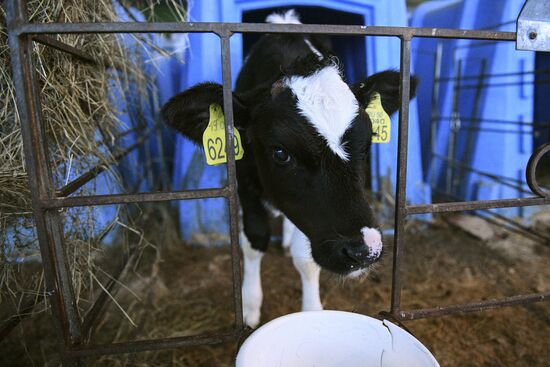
x: 310, y: 138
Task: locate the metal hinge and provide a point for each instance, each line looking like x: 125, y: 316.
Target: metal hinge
x: 533, y: 28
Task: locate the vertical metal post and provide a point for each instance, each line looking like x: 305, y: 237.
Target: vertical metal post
x: 232, y: 178
x: 48, y: 225
x: 401, y: 186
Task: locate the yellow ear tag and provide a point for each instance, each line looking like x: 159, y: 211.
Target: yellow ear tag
x: 381, y: 127
x: 213, y: 138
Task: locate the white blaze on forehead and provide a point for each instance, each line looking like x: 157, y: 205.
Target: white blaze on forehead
x: 327, y: 103
x: 313, y: 49
x: 291, y: 17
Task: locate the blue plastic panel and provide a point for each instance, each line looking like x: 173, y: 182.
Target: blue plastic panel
x: 542, y: 94
x: 489, y: 145
x: 436, y: 14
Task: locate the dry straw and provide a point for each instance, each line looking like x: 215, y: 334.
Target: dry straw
x: 75, y: 106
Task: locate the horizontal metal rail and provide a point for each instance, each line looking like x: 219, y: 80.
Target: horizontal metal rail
x: 73, y: 51
x: 474, y: 205
x: 227, y: 28
x: 148, y: 345
x: 61, y: 46
x: 92, y: 200
x: 473, y: 307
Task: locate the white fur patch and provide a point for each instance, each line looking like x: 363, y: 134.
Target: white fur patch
x: 252, y: 284
x: 291, y: 17
x: 300, y: 249
x: 373, y: 239
x: 313, y: 49
x: 357, y: 273
x: 288, y: 17
x: 327, y: 103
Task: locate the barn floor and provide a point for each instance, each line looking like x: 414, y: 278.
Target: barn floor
x: 190, y: 293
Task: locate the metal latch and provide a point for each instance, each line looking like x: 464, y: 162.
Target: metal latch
x: 533, y: 28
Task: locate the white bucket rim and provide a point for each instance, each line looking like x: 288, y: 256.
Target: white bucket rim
x: 394, y: 332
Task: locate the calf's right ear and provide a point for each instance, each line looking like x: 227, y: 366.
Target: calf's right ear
x: 189, y: 111
x: 385, y: 83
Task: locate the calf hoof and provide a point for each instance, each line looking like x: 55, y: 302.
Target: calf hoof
x: 251, y: 316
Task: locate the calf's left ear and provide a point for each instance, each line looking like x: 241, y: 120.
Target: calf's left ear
x: 386, y: 83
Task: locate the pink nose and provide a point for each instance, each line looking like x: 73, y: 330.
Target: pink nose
x: 373, y: 240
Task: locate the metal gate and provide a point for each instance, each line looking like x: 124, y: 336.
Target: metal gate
x: 47, y: 202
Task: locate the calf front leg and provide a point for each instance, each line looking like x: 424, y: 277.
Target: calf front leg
x: 254, y: 242
x: 252, y: 285
x: 300, y: 249
x: 288, y: 231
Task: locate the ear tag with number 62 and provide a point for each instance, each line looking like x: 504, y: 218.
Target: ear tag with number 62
x: 381, y: 127
x: 213, y: 138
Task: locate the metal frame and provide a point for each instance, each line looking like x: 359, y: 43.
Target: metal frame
x: 46, y: 201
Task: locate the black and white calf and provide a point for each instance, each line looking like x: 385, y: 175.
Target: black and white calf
x: 307, y: 138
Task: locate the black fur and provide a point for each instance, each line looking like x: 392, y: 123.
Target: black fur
x: 387, y: 84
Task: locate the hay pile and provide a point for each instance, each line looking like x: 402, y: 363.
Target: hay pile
x: 81, y: 127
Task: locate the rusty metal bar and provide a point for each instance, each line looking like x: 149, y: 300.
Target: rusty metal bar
x: 474, y: 205
x: 73, y: 51
x: 144, y: 197
x: 149, y: 345
x: 86, y: 177
x: 232, y: 180
x: 61, y: 46
x: 473, y: 307
x: 222, y: 28
x: 401, y: 185
x: 48, y: 226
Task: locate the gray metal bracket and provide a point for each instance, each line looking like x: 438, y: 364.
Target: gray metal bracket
x: 533, y: 26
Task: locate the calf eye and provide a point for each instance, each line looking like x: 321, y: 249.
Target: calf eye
x: 280, y: 156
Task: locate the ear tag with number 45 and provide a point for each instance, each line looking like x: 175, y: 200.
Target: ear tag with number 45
x: 213, y: 138
x: 381, y: 127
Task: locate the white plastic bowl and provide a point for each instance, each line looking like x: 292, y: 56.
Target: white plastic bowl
x: 332, y: 339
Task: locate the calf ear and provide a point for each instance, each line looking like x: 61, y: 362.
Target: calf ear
x: 386, y: 84
x: 189, y: 111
